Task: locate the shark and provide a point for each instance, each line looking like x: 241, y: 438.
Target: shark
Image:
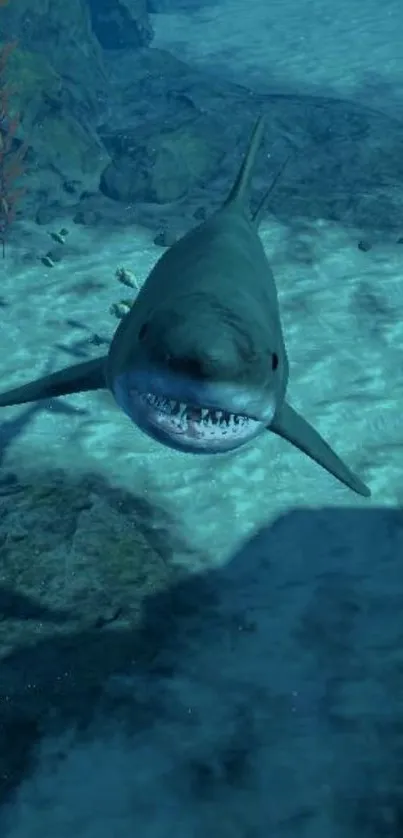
x: 199, y: 361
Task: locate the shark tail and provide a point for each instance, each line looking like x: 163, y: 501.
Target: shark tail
x: 75, y: 379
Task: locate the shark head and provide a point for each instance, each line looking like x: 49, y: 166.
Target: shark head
x: 198, y: 383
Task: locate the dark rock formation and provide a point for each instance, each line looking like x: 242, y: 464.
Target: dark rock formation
x: 119, y: 24
x: 164, y: 168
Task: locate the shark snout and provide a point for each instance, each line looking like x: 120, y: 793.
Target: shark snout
x: 210, y: 359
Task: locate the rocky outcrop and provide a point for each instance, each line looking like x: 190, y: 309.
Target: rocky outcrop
x: 62, y: 33
x: 78, y: 574
x: 57, y: 88
x: 119, y: 24
x: 56, y: 121
x: 165, y: 168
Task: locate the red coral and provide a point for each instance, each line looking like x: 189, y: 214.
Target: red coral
x: 12, y: 154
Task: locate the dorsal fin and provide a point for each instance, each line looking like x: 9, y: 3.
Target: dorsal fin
x: 240, y: 189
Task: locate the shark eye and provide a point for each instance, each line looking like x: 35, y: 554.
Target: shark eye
x: 274, y: 361
x: 193, y: 367
x: 143, y: 331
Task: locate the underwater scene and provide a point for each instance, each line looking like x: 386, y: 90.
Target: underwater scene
x: 201, y: 433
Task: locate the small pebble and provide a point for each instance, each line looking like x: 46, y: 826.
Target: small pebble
x: 51, y: 258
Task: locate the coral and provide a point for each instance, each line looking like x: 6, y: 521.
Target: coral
x: 12, y: 151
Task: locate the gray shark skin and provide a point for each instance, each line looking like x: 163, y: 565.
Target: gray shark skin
x: 199, y: 362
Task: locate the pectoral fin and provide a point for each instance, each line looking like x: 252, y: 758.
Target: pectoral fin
x: 291, y: 426
x: 76, y: 379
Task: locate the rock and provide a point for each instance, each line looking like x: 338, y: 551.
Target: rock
x: 87, y: 218
x: 46, y: 213
x: 52, y: 257
x: 62, y: 145
x: 78, y: 574
x: 70, y: 149
x: 57, y: 89
x: 163, y: 169
x: 63, y: 33
x: 119, y: 24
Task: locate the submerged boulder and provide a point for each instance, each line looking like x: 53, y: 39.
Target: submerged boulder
x: 162, y: 169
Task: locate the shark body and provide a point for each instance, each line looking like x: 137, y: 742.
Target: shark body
x: 199, y: 362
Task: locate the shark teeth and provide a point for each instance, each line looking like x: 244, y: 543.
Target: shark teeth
x: 192, y: 413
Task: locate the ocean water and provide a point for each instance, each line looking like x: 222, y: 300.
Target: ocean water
x: 275, y: 693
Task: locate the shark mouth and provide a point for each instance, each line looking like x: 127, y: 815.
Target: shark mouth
x: 192, y: 427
